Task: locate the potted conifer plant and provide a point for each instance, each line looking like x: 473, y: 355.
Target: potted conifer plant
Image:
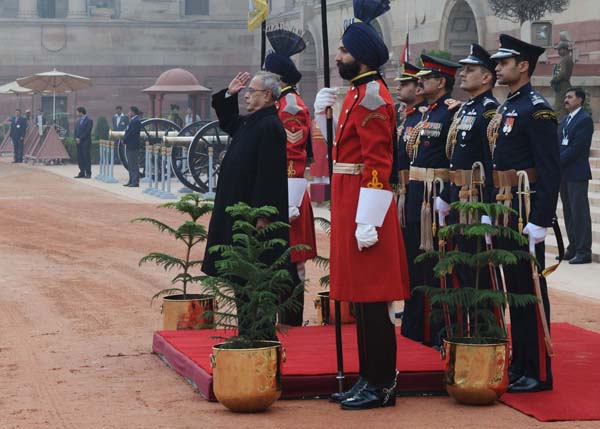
x: 181, y: 309
x: 476, y: 348
x: 249, y: 287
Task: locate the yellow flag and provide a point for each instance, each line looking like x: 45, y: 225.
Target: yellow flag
x: 257, y: 13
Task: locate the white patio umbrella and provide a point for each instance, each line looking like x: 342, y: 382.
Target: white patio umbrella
x: 55, y: 82
x: 13, y: 88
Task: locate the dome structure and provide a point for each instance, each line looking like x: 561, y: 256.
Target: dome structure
x: 176, y: 81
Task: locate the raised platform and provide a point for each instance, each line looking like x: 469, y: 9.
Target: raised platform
x: 310, y: 369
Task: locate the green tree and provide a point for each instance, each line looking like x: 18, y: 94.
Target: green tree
x: 102, y: 129
x: 526, y: 10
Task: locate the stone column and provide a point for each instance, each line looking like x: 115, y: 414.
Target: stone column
x: 28, y: 9
x: 77, y: 9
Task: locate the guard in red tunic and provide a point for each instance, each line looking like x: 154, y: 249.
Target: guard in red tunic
x: 368, y: 262
x: 295, y: 117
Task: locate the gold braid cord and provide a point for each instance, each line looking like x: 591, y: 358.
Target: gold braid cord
x: 493, y: 130
x: 452, y: 134
x: 415, y: 139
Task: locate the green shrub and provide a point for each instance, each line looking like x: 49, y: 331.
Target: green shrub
x: 71, y: 147
x: 102, y: 129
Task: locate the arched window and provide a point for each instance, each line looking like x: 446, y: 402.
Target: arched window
x: 196, y: 7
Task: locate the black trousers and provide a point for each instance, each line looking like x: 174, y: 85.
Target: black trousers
x: 133, y: 166
x: 416, y: 322
x: 18, y: 149
x: 294, y: 318
x: 84, y: 157
x: 576, y: 209
x: 529, y: 355
x: 376, y: 342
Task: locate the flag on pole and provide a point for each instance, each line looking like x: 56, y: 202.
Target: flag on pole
x: 405, y: 57
x: 258, y: 12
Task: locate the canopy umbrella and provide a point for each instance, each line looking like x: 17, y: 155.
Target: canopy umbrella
x: 13, y: 88
x: 55, y: 82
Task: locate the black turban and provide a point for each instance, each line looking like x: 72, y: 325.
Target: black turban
x: 365, y: 45
x: 284, y: 67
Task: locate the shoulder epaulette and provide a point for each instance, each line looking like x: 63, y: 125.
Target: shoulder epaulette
x: 547, y: 114
x: 489, y: 114
x: 487, y: 101
x: 537, y: 99
x: 372, y: 99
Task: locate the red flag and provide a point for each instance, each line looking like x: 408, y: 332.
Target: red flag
x: 405, y: 57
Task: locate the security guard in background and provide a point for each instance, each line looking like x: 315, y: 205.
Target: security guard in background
x: 411, y: 94
x: 426, y: 148
x: 467, y: 141
x: 524, y: 137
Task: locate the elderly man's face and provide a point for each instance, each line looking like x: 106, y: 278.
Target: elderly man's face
x: 256, y: 96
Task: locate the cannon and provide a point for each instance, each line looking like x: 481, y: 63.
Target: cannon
x: 191, y: 152
x: 153, y: 130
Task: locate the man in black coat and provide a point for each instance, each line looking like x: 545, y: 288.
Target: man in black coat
x: 83, y: 138
x: 254, y: 168
x: 132, y: 143
x: 18, y: 128
x: 575, y: 134
x: 119, y: 120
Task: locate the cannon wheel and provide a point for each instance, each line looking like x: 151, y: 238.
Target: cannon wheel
x: 179, y: 158
x: 212, y: 135
x: 150, y: 129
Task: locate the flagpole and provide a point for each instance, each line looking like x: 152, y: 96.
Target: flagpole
x: 263, y: 42
x: 327, y: 83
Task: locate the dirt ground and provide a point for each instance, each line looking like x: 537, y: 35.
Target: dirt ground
x: 76, y: 325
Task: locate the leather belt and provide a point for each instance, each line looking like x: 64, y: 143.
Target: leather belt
x: 347, y: 168
x: 463, y: 177
x: 508, y: 178
x: 404, y: 177
x: 420, y: 174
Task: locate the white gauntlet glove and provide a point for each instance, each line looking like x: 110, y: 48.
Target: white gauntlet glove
x: 487, y: 221
x: 366, y: 236
x: 293, y: 213
x: 326, y: 97
x: 443, y: 209
x: 537, y: 234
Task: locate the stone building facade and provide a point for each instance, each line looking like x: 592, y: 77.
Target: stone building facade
x: 124, y: 45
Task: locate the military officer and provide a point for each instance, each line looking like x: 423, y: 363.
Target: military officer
x: 429, y: 166
x: 368, y: 263
x: 524, y: 138
x: 411, y: 94
x: 295, y: 117
x: 467, y: 141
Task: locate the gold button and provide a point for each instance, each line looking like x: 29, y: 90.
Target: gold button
x: 356, y: 96
x: 352, y: 88
x: 335, y: 143
x: 347, y: 110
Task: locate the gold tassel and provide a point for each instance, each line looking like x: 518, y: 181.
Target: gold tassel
x: 401, y: 203
x: 426, y: 231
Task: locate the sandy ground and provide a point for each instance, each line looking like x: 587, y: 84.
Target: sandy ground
x: 76, y: 325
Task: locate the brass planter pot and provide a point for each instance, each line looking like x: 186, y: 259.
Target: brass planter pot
x: 476, y: 374
x: 190, y: 313
x: 247, y: 380
x: 326, y: 312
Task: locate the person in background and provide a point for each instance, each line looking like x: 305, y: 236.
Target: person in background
x: 575, y: 134
x: 132, y: 142
x: 18, y: 128
x: 83, y: 139
x: 561, y: 76
x: 119, y: 120
x: 189, y: 117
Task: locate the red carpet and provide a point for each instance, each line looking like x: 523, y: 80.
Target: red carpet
x: 310, y: 368
x: 576, y: 372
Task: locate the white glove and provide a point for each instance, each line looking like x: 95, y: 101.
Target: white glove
x: 326, y: 97
x: 486, y: 220
x: 366, y: 236
x: 443, y: 209
x: 293, y: 213
x: 537, y: 234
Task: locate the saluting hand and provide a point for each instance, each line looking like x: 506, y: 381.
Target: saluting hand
x: 238, y: 83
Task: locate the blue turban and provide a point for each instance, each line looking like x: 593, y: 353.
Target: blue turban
x: 284, y: 67
x: 365, y: 45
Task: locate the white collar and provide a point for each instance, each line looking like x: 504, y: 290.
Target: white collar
x: 574, y: 112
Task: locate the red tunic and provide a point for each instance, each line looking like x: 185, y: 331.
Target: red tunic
x: 365, y: 136
x: 295, y: 117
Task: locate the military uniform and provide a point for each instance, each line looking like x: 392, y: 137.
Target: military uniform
x: 429, y: 165
x: 561, y: 82
x: 525, y: 138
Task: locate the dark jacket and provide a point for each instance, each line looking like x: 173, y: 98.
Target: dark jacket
x: 18, y: 128
x: 253, y: 171
x: 575, y: 141
x: 131, y: 139
x: 83, y: 130
x: 119, y: 124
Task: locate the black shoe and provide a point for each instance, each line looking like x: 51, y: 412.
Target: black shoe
x: 568, y: 256
x: 372, y: 396
x: 80, y: 176
x: 399, y: 314
x: 358, y: 386
x: 134, y: 185
x: 513, y: 377
x: 88, y: 175
x: 127, y: 184
x: 581, y: 260
x: 528, y: 384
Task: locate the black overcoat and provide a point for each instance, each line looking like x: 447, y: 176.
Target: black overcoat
x: 253, y: 171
